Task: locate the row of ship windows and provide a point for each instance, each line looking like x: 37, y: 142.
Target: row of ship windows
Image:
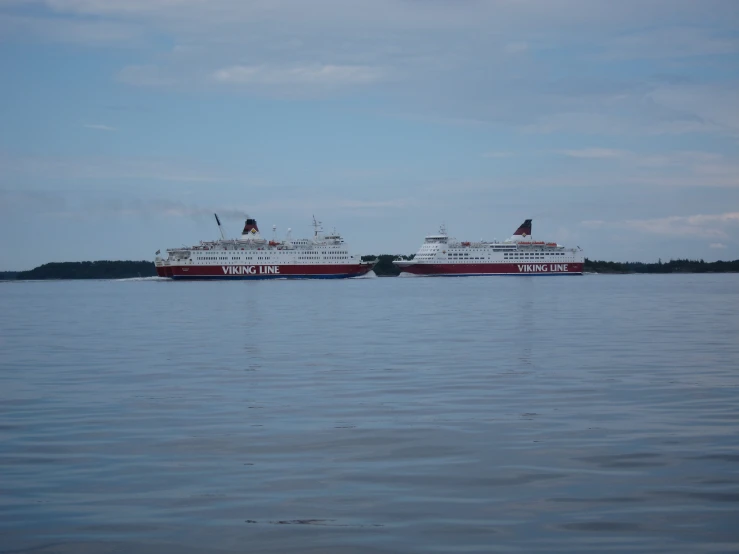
x: 324, y: 257
x: 465, y: 258
x: 237, y: 258
x: 223, y: 258
x: 543, y: 255
x: 533, y: 255
x: 249, y: 258
x: 512, y: 249
x: 512, y: 255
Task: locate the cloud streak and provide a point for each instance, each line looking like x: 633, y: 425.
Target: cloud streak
x: 667, y: 169
x: 104, y: 168
x: 99, y: 127
x: 707, y: 226
x: 594, y: 153
x: 432, y: 59
x: 61, y: 205
x: 372, y: 204
x: 145, y: 76
x: 319, y: 75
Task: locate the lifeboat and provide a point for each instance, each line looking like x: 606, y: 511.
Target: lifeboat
x: 465, y: 244
x: 273, y: 243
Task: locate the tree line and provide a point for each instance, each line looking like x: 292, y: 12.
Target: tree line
x: 110, y: 269
x: 672, y: 266
x: 105, y: 269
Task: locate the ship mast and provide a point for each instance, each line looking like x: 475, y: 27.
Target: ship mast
x: 219, y: 227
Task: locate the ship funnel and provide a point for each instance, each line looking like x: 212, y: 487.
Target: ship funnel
x: 523, y: 231
x: 251, y: 232
x: 250, y: 227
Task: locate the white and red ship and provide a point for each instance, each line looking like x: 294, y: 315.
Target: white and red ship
x: 251, y: 256
x: 519, y: 255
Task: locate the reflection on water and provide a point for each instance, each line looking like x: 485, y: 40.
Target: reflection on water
x: 379, y: 415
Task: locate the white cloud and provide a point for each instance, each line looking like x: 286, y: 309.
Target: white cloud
x: 144, y: 76
x: 516, y: 47
x: 321, y: 75
x: 694, y: 169
x: 103, y: 168
x: 594, y: 153
x: 711, y: 226
x: 676, y: 42
x: 364, y: 204
x: 731, y: 217
x: 95, y: 33
x: 498, y: 15
x: 717, y: 245
x: 628, y: 104
x: 99, y: 127
x: 664, y: 169
x: 497, y: 154
x: 455, y: 61
x: 680, y: 158
x: 700, y: 106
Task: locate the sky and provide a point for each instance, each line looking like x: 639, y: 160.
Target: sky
x: 125, y: 124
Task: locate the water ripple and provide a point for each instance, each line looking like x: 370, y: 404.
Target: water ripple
x: 370, y: 416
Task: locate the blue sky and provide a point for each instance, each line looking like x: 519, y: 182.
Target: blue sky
x: 126, y: 124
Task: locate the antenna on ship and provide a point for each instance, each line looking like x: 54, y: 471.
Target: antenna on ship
x: 316, y: 227
x: 219, y: 227
x: 274, y: 233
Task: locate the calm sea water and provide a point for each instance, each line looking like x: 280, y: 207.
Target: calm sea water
x: 464, y: 415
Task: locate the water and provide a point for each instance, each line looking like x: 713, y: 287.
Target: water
x: 559, y: 414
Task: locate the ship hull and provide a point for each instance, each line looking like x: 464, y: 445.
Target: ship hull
x: 256, y: 272
x: 459, y: 270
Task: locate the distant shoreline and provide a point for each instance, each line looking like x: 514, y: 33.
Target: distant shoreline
x: 126, y: 269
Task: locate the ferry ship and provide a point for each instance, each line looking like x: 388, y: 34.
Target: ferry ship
x: 251, y: 256
x: 519, y: 255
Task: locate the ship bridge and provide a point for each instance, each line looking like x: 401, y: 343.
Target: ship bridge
x: 436, y: 239
x: 440, y: 238
x: 433, y: 245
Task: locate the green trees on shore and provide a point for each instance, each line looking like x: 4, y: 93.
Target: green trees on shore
x: 384, y: 268
x: 673, y: 266
x: 90, y: 270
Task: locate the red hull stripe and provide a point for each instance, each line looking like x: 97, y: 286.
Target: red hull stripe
x: 495, y: 269
x: 262, y: 271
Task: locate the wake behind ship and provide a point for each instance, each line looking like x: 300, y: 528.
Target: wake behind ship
x: 251, y: 256
x: 519, y: 255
